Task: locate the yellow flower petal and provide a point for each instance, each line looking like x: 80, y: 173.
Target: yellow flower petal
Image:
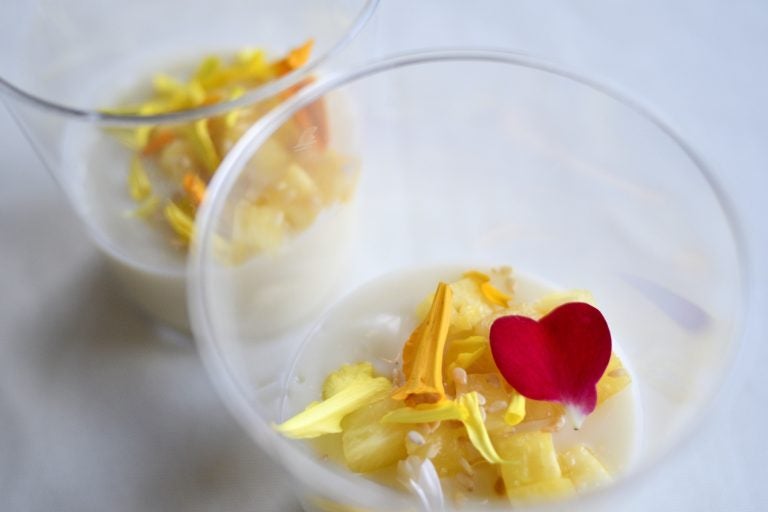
x: 465, y: 409
x: 476, y: 275
x: 472, y: 417
x: 423, y: 353
x: 151, y: 108
x: 181, y: 223
x: 515, y: 413
x: 325, y: 417
x: 203, y: 145
x: 196, y: 93
x: 147, y: 208
x: 425, y: 413
x: 138, y: 182
x: 300, y: 55
x: 463, y: 352
x: 166, y: 85
x: 246, y: 55
x: 195, y: 188
x: 494, y: 295
x: 231, y: 118
x: 208, y: 67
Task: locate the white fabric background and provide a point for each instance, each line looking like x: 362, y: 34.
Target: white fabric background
x: 97, y: 414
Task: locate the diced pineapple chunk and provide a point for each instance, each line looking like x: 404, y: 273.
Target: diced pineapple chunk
x: 302, y: 183
x: 490, y: 385
x: 536, y: 410
x: 335, y: 176
x: 582, y: 468
x: 447, y: 446
x: 613, y: 380
x: 175, y: 160
x: 258, y: 227
x: 532, y: 458
x: 557, y: 488
x: 369, y: 444
x: 296, y: 195
x: 469, y: 304
x: 270, y: 162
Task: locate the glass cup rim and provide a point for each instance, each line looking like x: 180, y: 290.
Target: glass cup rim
x: 250, y: 97
x: 303, y: 466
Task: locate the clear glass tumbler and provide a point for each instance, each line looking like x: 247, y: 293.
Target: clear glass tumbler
x: 476, y: 159
x: 108, y: 93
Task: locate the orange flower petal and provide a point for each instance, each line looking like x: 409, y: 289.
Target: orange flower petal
x: 423, y: 353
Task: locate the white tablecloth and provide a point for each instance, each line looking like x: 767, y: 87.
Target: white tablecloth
x: 98, y: 413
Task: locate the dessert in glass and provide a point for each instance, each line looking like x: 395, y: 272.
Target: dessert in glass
x: 540, y: 294
x: 143, y: 103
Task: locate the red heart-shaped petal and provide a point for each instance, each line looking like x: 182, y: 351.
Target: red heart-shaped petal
x: 559, y: 358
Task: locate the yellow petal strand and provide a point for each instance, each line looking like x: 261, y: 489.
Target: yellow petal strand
x: 463, y: 352
x: 467, y: 359
x: 258, y: 68
x: 245, y: 55
x: 231, y: 117
x: 138, y: 182
x: 147, y: 208
x: 472, y: 417
x: 425, y: 413
x: 494, y: 295
x: 151, y: 108
x: 464, y: 345
x: 194, y: 187
x: 423, y: 353
x: 166, y: 85
x: 204, y: 145
x: 208, y: 67
x: 141, y: 136
x: 181, y: 223
x: 196, y: 93
x: 476, y: 275
x: 325, y: 417
x: 465, y: 409
x: 295, y: 59
x: 300, y: 55
x: 515, y: 413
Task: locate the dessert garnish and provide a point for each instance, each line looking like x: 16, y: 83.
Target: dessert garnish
x: 172, y: 165
x: 422, y: 355
x: 559, y: 358
x: 479, y: 394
